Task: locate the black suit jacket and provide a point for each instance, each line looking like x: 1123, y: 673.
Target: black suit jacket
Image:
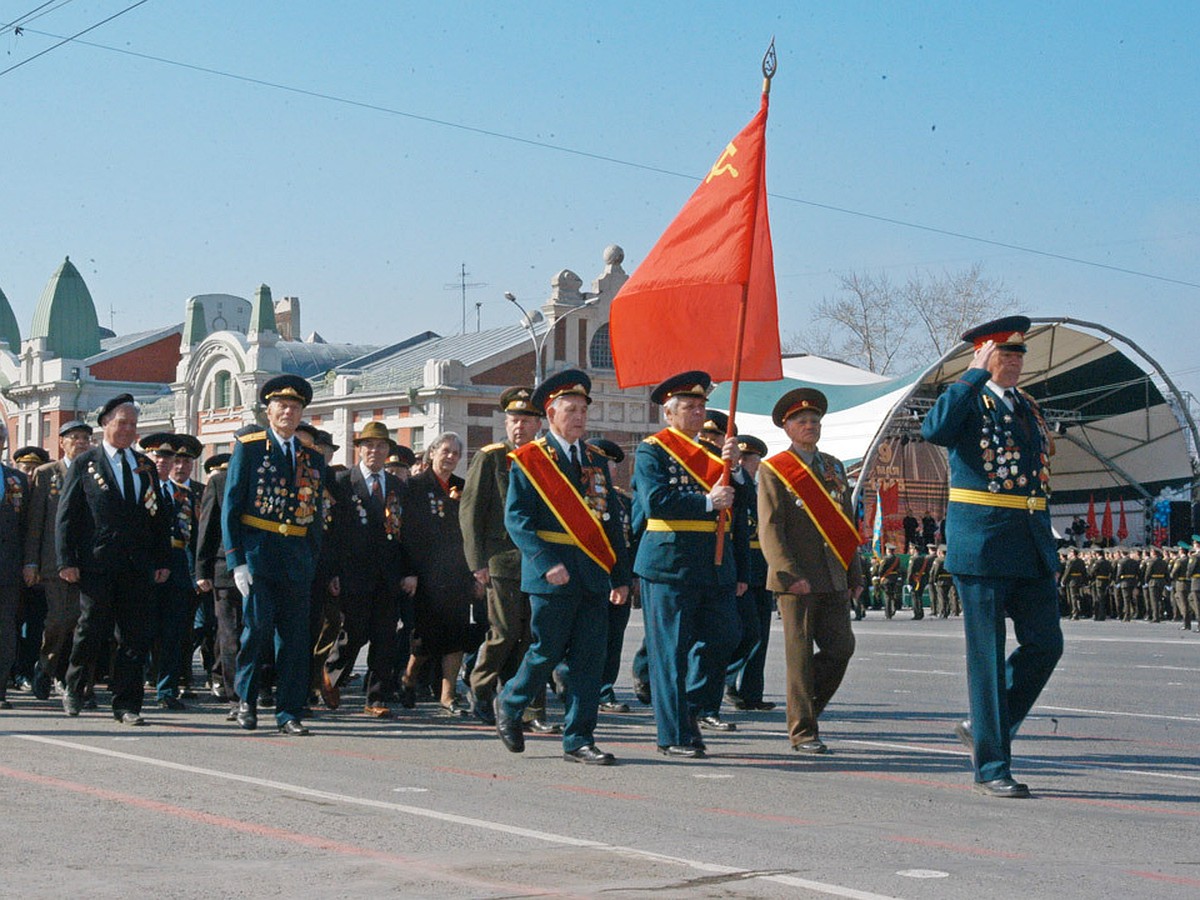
x: 97, y: 530
x: 14, y: 510
x: 210, y: 554
x: 370, y: 552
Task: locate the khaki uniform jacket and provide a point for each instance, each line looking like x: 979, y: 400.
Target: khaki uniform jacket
x: 486, y: 543
x: 792, y: 545
x: 44, y: 490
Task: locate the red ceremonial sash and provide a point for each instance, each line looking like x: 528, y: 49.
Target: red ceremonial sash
x: 700, y: 463
x: 827, y: 515
x: 561, y: 495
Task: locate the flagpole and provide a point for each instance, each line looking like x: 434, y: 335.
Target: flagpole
x: 769, y: 65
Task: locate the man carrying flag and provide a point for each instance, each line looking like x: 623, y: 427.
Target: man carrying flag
x: 806, y: 526
x: 562, y: 515
x: 689, y: 601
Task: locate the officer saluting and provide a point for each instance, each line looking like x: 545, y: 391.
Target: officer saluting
x: 561, y: 514
x: 1001, y: 548
x: 271, y: 525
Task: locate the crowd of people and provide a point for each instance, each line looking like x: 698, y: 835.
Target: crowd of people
x: 279, y: 568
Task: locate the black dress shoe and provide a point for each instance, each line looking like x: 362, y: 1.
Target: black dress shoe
x: 267, y: 699
x: 71, y: 703
x: 541, y: 726
x: 614, y: 706
x: 1003, y: 787
x: 589, y: 755
x: 170, y: 703
x: 641, y: 690
x: 232, y: 715
x: 247, y: 716
x: 129, y: 718
x: 481, y: 708
x: 715, y: 723
x: 508, y: 728
x: 407, y: 695
x: 676, y: 752
x: 762, y: 705
x: 293, y: 727
x: 816, y: 745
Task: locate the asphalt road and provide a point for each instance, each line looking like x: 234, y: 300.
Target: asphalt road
x: 429, y: 807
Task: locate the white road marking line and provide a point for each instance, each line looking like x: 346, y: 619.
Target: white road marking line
x: 1170, y: 668
x: 833, y: 890
x: 1112, y: 712
x: 923, y: 672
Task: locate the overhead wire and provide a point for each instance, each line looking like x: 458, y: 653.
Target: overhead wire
x: 600, y: 157
x: 73, y: 37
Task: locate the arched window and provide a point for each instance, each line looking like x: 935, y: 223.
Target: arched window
x: 222, y: 391
x: 600, y: 353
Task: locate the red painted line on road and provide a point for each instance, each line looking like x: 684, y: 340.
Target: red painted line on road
x: 490, y: 776
x: 596, y: 792
x: 903, y: 779
x: 957, y: 848
x: 309, y: 841
x: 1170, y: 879
x: 760, y: 817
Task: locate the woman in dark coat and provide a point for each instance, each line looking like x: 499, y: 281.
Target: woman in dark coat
x: 449, y: 617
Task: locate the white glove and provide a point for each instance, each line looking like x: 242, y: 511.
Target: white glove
x: 243, y: 579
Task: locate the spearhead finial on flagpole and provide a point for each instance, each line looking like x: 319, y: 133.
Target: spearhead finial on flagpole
x: 768, y: 67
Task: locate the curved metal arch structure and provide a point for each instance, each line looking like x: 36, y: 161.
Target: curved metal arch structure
x: 1086, y: 386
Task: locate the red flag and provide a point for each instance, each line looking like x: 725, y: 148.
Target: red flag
x: 1092, y: 531
x: 1106, y: 522
x: 1122, y: 531
x: 680, y: 308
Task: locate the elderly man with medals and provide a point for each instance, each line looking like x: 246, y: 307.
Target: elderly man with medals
x: 689, y: 599
x: 271, y: 527
x: 1001, y: 549
x: 561, y: 514
x: 806, y: 527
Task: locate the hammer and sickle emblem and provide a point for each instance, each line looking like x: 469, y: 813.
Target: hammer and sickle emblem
x: 722, y: 165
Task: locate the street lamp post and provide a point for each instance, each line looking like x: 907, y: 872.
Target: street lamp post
x: 539, y: 343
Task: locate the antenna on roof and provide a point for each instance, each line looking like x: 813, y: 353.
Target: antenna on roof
x: 461, y: 285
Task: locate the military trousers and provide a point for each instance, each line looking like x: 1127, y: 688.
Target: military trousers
x: 508, y: 637
x: 744, y: 675
x: 817, y: 644
x: 276, y: 611
x: 618, y: 620
x: 570, y: 628
x: 691, y: 632
x: 62, y: 614
x: 1002, y: 691
x: 10, y: 598
x: 227, y: 606
x: 368, y: 618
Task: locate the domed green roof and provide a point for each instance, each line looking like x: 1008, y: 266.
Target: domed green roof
x: 9, y: 331
x: 66, y: 316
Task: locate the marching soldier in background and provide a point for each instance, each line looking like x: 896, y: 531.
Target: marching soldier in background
x: 618, y: 614
x: 178, y: 593
x: 810, y: 542
x: 1102, y: 576
x: 41, y: 561
x: 1180, y: 585
x: 942, y: 583
x: 1157, y: 572
x: 1074, y: 579
x: 495, y: 560
x: 1128, y: 574
x: 744, y: 680
x: 213, y: 575
x: 14, y: 510
x: 891, y: 581
x: 918, y: 577
x: 325, y: 609
x: 689, y: 603
x: 373, y: 566
x: 31, y: 607
x: 560, y: 514
x: 271, y: 528
x: 1193, y: 574
x: 113, y: 539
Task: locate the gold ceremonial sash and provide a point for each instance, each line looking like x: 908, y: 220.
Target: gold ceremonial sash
x: 987, y: 498
x: 700, y: 464
x: 835, y: 526
x: 580, y: 523
x: 708, y: 525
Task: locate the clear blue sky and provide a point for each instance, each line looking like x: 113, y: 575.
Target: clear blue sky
x: 1070, y: 128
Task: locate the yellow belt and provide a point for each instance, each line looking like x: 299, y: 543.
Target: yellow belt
x: 756, y: 545
x: 709, y: 525
x: 556, y: 537
x: 277, y: 527
x: 178, y: 544
x: 987, y: 498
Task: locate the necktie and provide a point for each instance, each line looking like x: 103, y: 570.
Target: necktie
x: 576, y: 472
x: 288, y: 470
x: 127, y: 485
x: 1011, y: 396
x: 168, y: 495
x: 376, y: 493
